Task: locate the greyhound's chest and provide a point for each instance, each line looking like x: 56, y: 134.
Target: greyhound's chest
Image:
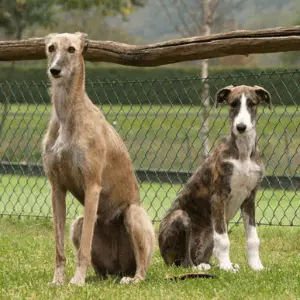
x: 245, y: 177
x: 64, y: 158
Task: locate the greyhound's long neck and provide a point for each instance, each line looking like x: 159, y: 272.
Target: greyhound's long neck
x: 244, y: 144
x: 69, y: 95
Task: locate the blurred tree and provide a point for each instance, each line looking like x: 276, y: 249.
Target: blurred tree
x: 108, y: 7
x: 16, y: 15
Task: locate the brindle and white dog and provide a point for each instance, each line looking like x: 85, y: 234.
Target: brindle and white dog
x: 196, y: 224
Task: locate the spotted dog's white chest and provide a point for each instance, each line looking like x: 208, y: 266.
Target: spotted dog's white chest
x: 245, y: 177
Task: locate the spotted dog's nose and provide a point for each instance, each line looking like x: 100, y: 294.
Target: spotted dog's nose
x: 241, y: 127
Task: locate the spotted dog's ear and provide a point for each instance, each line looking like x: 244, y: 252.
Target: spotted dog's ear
x: 84, y: 41
x: 263, y: 95
x: 222, y: 95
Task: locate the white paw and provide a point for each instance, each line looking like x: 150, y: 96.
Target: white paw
x: 56, y: 282
x: 202, y: 267
x: 126, y: 280
x: 256, y: 265
x: 230, y: 267
x: 76, y: 280
x: 59, y: 279
x: 129, y: 280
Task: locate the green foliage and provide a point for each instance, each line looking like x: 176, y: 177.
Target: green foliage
x: 16, y: 15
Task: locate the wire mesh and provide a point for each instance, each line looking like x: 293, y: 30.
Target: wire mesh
x: 161, y: 122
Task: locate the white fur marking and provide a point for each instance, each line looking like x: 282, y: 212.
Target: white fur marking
x: 221, y: 251
x: 202, y: 267
x: 127, y: 280
x: 243, y: 116
x: 252, y: 245
x: 244, y: 179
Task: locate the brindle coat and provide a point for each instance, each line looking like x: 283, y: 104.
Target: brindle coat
x: 83, y: 154
x: 204, y: 206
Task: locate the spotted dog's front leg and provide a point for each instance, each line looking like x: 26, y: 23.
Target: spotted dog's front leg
x: 252, y: 248
x: 220, y: 235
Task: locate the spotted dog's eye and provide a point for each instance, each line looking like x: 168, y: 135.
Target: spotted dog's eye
x: 234, y: 103
x: 251, y: 103
x: 71, y: 49
x: 51, y: 48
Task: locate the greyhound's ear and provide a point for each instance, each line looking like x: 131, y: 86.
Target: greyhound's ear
x: 222, y: 95
x: 84, y: 40
x: 263, y: 95
x: 49, y: 37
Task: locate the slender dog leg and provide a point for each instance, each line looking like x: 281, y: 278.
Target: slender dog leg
x: 142, y: 235
x: 59, y: 219
x: 220, y: 235
x: 92, y: 194
x: 248, y: 213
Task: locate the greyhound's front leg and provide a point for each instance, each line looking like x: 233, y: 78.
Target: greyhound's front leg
x: 248, y: 213
x: 91, y: 201
x: 220, y: 235
x: 58, y: 195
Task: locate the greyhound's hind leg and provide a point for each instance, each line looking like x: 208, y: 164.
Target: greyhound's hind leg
x: 141, y: 233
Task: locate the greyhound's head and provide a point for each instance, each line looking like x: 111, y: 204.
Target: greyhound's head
x: 243, y: 101
x: 64, y: 53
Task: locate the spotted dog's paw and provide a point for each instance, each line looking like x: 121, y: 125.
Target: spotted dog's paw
x: 256, y: 265
x: 202, y: 267
x: 130, y: 280
x: 230, y: 267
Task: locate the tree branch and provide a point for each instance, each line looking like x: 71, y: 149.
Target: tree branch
x: 241, y: 42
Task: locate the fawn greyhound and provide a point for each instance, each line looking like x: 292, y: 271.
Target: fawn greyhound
x: 83, y: 154
x: 196, y: 224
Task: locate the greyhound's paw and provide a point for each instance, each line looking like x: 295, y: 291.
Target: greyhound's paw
x: 56, y: 283
x: 59, y: 279
x: 77, y: 281
x: 230, y: 267
x: 202, y: 267
x: 130, y: 280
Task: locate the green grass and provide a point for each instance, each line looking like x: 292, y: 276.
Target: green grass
x: 22, y: 195
x: 162, y: 137
x: 27, y: 256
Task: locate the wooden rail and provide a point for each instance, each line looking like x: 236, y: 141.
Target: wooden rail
x: 241, y: 42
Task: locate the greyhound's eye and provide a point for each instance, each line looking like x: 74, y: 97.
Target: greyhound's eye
x: 71, y: 49
x: 51, y: 48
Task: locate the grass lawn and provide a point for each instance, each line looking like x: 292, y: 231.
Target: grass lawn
x: 27, y: 256
x: 22, y: 195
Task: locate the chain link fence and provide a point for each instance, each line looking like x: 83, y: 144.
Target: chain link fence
x: 160, y: 122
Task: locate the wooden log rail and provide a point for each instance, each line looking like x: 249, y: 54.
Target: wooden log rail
x: 241, y: 42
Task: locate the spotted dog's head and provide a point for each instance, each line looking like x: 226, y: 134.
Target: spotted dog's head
x: 243, y: 101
